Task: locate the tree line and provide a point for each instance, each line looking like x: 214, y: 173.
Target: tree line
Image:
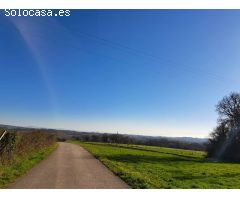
x: 129, y: 139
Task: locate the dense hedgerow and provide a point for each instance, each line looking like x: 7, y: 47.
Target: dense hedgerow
x: 17, y: 144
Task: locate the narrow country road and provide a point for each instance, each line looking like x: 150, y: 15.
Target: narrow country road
x: 69, y: 167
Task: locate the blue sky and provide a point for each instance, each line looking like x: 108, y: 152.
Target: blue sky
x: 150, y: 72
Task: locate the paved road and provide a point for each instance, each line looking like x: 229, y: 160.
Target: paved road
x: 70, y: 166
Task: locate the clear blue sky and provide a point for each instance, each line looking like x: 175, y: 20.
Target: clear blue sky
x: 141, y: 72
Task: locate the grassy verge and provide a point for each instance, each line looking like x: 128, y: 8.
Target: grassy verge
x: 21, y: 164
x: 157, y: 167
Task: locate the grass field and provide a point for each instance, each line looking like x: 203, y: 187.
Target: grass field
x: 21, y: 164
x: 157, y: 167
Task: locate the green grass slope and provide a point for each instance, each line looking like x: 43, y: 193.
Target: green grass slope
x: 157, y: 167
x: 21, y: 164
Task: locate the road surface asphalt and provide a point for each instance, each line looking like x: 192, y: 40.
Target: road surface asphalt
x: 69, y: 167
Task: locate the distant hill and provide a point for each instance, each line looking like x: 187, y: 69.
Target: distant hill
x: 188, y: 139
x: 68, y: 134
x: 180, y: 139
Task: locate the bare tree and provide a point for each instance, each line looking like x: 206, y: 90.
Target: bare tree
x: 229, y: 109
x: 224, y: 143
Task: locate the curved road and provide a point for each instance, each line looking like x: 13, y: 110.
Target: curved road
x: 69, y: 167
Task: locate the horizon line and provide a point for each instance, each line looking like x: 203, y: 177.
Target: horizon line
x: 100, y: 132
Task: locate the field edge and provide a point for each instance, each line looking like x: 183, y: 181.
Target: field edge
x: 22, y: 164
x: 120, y: 173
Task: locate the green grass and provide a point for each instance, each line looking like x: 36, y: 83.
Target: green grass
x: 157, y: 167
x: 21, y: 164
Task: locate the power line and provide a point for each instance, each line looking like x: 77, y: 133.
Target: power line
x: 132, y: 51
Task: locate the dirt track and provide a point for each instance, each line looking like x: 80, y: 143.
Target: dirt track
x: 70, y: 166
